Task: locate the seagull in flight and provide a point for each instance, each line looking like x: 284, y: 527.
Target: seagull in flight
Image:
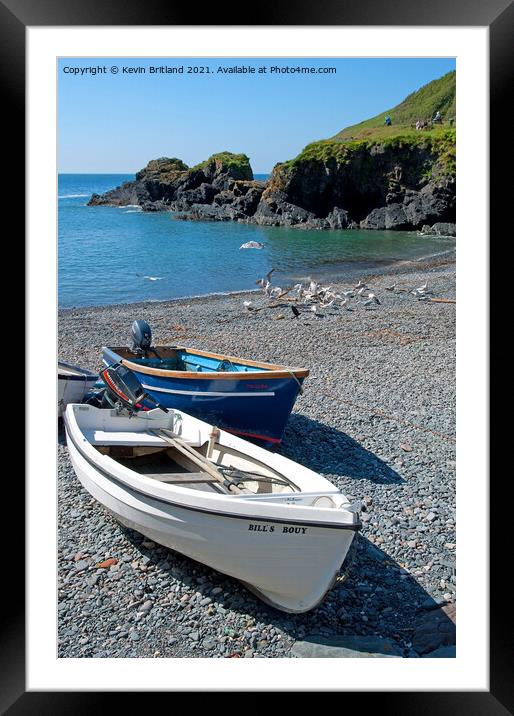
x: 252, y: 245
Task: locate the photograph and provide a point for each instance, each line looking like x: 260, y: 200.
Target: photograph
x: 256, y: 403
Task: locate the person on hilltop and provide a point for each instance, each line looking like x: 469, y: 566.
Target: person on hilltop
x: 387, y: 121
x: 437, y: 119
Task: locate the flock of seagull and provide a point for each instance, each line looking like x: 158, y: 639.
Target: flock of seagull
x: 314, y: 297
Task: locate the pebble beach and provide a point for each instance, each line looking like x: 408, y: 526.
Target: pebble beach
x: 376, y: 418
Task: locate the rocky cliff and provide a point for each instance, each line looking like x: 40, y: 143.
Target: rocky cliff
x: 166, y: 183
x: 405, y: 183
x: 400, y: 183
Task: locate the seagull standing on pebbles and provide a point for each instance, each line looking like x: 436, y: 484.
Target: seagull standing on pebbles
x: 361, y: 284
x: 372, y: 297
x: 391, y: 287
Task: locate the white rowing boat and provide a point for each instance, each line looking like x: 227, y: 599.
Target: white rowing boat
x: 278, y: 527
x: 73, y: 383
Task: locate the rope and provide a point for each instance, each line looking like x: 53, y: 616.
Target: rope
x: 300, y: 386
x: 341, y: 578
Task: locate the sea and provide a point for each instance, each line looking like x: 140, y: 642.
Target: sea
x: 109, y: 255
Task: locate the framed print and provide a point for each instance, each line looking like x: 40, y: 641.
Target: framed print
x: 246, y: 244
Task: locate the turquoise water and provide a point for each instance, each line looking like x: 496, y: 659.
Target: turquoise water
x: 119, y: 255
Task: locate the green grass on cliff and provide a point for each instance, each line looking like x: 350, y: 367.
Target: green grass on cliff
x: 227, y: 159
x: 422, y: 104
x: 440, y: 141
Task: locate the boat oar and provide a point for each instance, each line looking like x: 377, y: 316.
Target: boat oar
x: 195, y: 457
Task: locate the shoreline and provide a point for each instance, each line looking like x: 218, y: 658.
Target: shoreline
x: 342, y: 274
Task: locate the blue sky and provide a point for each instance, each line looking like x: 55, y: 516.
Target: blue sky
x: 116, y: 123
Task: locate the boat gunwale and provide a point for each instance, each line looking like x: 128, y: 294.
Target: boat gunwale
x: 354, y: 526
x: 273, y: 371
x: 83, y: 374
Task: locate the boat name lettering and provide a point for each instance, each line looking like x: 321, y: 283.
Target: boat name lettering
x: 261, y: 528
x: 294, y: 530
x: 286, y: 529
x: 257, y: 386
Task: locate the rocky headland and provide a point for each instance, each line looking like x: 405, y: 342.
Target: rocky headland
x: 368, y: 176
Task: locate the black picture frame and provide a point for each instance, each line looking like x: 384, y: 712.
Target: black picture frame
x: 498, y: 16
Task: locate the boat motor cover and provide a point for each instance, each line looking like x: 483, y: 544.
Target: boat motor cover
x: 122, y: 385
x: 141, y: 335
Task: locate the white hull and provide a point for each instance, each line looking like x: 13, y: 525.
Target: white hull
x: 72, y: 385
x: 289, y: 554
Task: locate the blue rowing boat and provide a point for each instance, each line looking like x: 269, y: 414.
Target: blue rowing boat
x: 249, y: 398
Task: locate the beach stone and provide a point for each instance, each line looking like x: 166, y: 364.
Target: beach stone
x: 345, y: 647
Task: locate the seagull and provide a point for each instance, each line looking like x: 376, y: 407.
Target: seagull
x: 361, y: 284
x: 344, y: 304
x: 252, y: 245
x: 391, y: 287
x: 247, y: 305
x: 265, y: 280
x: 361, y: 291
x: 348, y: 294
x: 422, y: 288
x: 295, y: 311
x: 369, y: 301
x: 372, y: 297
x: 275, y: 292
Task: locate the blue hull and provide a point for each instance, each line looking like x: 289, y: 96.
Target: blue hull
x: 254, y: 406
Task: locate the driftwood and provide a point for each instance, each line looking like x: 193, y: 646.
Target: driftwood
x: 443, y: 300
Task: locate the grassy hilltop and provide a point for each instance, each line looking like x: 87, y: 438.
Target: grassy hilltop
x: 422, y: 104
x: 401, y: 136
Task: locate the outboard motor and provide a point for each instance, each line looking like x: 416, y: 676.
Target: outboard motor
x: 123, y: 390
x: 141, y: 337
